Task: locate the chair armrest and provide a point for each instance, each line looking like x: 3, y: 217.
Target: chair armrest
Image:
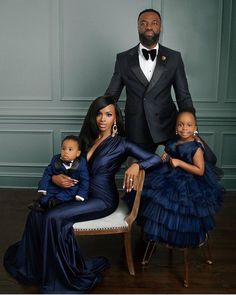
x: 138, y: 187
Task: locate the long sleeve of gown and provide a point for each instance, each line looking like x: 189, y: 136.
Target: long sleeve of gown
x: 145, y: 159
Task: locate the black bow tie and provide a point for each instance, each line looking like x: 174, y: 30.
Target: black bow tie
x: 151, y: 52
x: 68, y: 163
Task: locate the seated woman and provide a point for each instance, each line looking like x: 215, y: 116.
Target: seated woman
x: 48, y: 254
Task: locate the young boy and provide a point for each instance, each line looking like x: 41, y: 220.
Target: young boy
x: 68, y: 162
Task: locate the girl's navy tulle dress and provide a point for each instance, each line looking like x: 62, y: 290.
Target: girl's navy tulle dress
x: 178, y: 207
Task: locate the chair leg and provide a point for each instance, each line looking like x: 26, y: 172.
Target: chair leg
x: 148, y: 252
x: 186, y: 268
x: 128, y: 252
x: 207, y: 252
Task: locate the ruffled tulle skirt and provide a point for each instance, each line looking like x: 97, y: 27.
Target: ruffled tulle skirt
x: 178, y: 208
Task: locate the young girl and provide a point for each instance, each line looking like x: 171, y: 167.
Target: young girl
x: 180, y: 199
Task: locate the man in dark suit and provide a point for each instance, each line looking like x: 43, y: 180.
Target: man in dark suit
x: 148, y: 76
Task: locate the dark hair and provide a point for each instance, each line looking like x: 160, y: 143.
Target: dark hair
x: 187, y: 110
x: 90, y: 131
x: 71, y: 137
x: 150, y: 10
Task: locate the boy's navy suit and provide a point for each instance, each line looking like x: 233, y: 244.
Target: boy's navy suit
x: 78, y: 171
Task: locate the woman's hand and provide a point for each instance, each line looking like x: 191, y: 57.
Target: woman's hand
x: 131, y: 177
x: 63, y: 181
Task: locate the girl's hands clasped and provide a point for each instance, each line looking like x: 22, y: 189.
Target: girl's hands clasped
x: 130, y: 177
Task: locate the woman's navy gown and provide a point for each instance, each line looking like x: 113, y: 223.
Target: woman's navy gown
x: 48, y: 254
x: 178, y: 207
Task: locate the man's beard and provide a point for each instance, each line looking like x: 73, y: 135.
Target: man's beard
x: 149, y: 41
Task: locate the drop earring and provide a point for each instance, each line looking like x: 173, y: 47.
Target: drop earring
x: 195, y: 133
x: 114, y: 130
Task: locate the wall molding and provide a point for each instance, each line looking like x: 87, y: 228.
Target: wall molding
x: 223, y: 135
x: 230, y: 17
x: 11, y: 114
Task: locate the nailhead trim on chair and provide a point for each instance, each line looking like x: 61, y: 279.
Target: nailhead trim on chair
x: 112, y: 221
x: 95, y: 228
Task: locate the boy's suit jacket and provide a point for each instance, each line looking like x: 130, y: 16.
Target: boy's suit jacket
x: 78, y: 171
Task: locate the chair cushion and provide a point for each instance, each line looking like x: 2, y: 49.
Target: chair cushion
x: 114, y: 220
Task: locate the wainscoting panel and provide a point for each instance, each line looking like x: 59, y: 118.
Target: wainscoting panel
x: 230, y: 97
x: 25, y: 37
x: 197, y: 35
x: 56, y: 56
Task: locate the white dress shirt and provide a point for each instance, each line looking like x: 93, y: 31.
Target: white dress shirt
x: 147, y: 66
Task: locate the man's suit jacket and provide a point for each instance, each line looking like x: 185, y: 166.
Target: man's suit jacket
x: 150, y: 104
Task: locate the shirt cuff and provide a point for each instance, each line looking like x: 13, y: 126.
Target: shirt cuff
x: 79, y: 198
x: 42, y: 191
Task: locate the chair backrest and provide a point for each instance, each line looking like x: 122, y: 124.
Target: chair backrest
x: 138, y: 187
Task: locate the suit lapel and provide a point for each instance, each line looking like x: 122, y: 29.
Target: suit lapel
x: 135, y: 67
x: 160, y: 66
